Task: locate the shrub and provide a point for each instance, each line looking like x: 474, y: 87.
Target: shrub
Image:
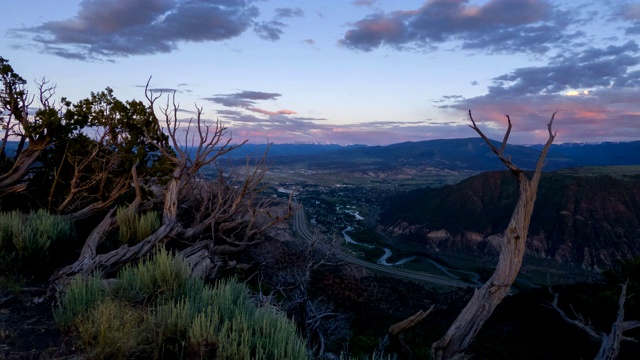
x: 133, y: 228
x: 27, y: 242
x: 176, y: 316
x: 162, y: 273
x: 80, y: 296
x: 112, y: 330
x: 222, y: 322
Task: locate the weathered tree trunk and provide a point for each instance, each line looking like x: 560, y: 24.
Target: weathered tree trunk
x: 484, y: 301
x: 10, y: 181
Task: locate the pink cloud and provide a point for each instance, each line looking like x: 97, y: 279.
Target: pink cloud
x: 267, y: 112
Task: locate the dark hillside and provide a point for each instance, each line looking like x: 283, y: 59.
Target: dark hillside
x: 584, y: 219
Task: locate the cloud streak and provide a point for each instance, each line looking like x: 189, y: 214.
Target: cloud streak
x: 247, y: 101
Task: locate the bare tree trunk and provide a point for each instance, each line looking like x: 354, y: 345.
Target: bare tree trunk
x: 482, y: 304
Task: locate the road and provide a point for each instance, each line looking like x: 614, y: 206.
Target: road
x: 300, y: 225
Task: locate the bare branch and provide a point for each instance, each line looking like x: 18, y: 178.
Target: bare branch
x: 580, y: 323
x: 506, y: 161
x: 506, y: 135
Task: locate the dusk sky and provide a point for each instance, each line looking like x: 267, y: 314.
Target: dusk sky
x: 367, y: 71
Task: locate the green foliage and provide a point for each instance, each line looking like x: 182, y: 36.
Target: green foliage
x: 223, y: 321
x: 81, y: 296
x: 163, y: 273
x: 124, y: 130
x: 156, y: 308
x: 27, y: 242
x: 12, y: 89
x: 133, y: 228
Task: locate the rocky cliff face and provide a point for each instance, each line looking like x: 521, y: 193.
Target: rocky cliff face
x: 586, y: 218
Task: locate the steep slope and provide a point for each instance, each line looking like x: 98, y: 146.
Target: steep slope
x: 583, y: 217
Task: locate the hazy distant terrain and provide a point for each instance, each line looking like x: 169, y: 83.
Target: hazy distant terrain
x: 453, y: 154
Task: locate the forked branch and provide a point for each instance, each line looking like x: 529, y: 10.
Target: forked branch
x: 609, y: 343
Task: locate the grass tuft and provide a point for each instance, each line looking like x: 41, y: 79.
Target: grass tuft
x: 133, y: 228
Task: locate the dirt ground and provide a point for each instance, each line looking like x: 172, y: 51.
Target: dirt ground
x: 27, y: 326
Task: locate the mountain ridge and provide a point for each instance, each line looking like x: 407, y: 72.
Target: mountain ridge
x: 451, y: 154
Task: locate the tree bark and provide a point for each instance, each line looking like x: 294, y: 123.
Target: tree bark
x: 486, y: 299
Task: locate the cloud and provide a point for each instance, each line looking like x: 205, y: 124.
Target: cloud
x: 115, y: 28
x: 498, y: 26
x: 631, y: 14
x: 289, y: 12
x: 364, y: 2
x: 270, y: 30
x: 229, y: 113
x: 266, y: 112
x: 592, y: 67
x: 283, y: 128
x: 247, y: 101
x: 594, y: 90
x: 244, y: 99
x: 289, y: 130
x: 160, y: 90
x: 274, y: 29
x: 629, y: 11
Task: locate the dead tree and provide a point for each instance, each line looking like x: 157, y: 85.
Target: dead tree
x: 32, y: 131
x: 230, y: 212
x: 609, y: 343
x: 482, y: 304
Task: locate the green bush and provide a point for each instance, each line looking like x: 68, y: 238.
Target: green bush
x: 133, y: 228
x: 28, y: 242
x: 164, y: 313
x: 80, y: 296
x: 161, y: 274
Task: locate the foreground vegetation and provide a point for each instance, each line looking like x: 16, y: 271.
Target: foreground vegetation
x: 155, y: 308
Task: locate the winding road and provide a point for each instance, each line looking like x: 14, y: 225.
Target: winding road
x: 301, y: 228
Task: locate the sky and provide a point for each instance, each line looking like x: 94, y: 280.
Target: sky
x: 371, y: 72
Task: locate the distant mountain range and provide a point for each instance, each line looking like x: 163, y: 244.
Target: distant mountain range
x: 452, y: 154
